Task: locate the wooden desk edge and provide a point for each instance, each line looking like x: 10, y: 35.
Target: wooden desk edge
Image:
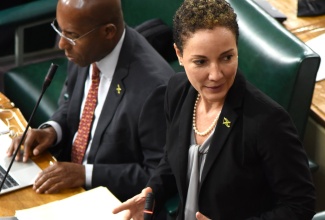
x: 28, y: 198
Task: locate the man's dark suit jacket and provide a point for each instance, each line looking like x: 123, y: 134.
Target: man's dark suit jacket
x: 256, y: 167
x: 130, y: 135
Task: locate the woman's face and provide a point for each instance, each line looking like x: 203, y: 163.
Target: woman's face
x: 210, y: 59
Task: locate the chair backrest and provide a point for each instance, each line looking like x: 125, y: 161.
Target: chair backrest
x: 30, y: 22
x: 23, y: 86
x: 137, y: 12
x: 28, y: 12
x: 276, y: 61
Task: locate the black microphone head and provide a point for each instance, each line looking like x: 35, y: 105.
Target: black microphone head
x: 149, y: 206
x: 49, y: 75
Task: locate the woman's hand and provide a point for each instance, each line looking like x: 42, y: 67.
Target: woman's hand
x: 199, y: 216
x: 134, y: 207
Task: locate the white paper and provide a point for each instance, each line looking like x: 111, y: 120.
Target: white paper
x: 4, y: 129
x: 97, y: 203
x: 317, y: 45
x: 5, y: 142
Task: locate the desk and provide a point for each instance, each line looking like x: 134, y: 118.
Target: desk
x: 306, y: 28
x: 26, y: 198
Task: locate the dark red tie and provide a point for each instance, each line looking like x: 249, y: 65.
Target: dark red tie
x: 80, y: 144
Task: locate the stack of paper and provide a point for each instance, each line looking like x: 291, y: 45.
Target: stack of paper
x: 317, y: 45
x: 97, y: 203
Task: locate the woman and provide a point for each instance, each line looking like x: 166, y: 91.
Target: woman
x: 231, y: 152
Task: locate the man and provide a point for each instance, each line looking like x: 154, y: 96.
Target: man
x: 125, y: 141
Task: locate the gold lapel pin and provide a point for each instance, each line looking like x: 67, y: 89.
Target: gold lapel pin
x: 118, y: 89
x: 226, y: 122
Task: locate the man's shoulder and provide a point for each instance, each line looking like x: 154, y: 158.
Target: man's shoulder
x: 137, y: 46
x: 134, y: 38
x: 142, y: 57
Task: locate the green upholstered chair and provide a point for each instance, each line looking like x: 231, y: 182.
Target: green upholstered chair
x: 31, y: 19
x: 277, y: 62
x: 23, y: 86
x: 138, y: 11
x: 33, y: 11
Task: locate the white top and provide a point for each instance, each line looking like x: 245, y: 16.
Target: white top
x: 196, y: 160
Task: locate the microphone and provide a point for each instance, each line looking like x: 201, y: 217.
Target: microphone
x: 49, y: 77
x: 46, y: 83
x: 149, y: 206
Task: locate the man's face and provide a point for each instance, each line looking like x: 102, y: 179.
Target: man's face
x: 89, y: 39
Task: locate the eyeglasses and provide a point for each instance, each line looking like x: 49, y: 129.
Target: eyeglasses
x: 72, y: 41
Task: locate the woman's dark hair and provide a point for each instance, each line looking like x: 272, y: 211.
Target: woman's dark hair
x: 194, y: 15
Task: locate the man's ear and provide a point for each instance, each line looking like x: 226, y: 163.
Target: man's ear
x: 179, y: 55
x: 110, y: 31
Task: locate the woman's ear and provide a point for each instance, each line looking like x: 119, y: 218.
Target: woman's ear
x: 179, y: 55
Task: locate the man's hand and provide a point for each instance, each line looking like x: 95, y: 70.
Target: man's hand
x: 59, y: 176
x: 134, y: 207
x: 36, y: 141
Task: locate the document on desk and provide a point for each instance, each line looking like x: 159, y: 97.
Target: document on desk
x: 96, y: 203
x: 316, y: 44
x: 4, y: 129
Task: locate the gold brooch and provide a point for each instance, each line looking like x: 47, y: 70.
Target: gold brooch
x: 226, y: 122
x: 118, y: 89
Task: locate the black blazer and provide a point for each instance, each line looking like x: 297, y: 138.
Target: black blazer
x: 256, y: 167
x: 130, y: 135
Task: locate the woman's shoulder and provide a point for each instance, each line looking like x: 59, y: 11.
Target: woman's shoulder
x: 179, y: 80
x: 177, y: 89
x: 178, y: 84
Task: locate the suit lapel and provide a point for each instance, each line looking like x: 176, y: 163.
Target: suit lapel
x: 114, y: 96
x: 185, y: 129
x: 226, y: 123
